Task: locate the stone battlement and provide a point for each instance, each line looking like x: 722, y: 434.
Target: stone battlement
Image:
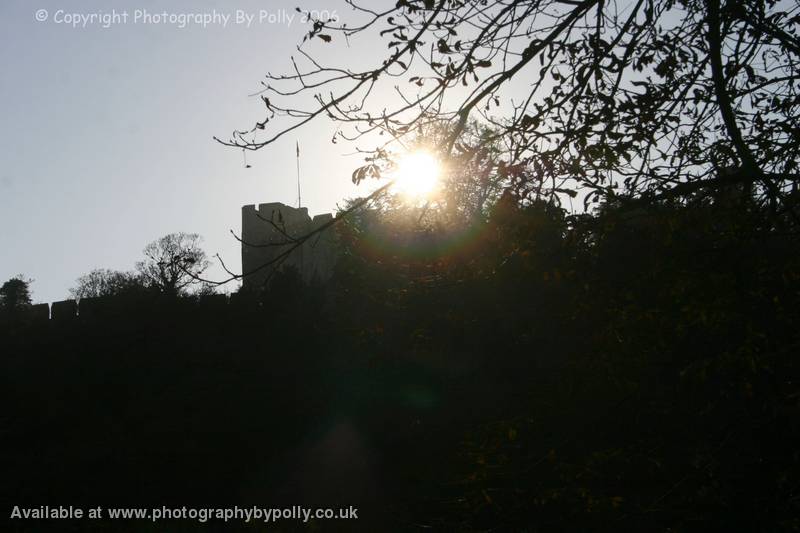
x: 115, y: 307
x: 270, y: 229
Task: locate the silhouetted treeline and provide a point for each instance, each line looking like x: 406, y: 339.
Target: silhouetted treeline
x: 630, y: 370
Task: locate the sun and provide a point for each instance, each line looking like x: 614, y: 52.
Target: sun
x: 417, y: 174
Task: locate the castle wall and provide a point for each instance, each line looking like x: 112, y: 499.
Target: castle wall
x: 262, y: 242
x: 267, y: 232
x: 126, y: 309
x: 64, y: 310
x: 40, y: 312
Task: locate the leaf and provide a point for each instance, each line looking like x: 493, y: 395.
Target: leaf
x: 529, y: 122
x: 325, y: 37
x: 358, y: 175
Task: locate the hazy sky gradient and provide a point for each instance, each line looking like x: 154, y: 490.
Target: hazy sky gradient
x: 107, y: 136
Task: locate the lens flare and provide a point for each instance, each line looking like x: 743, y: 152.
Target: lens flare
x: 417, y: 175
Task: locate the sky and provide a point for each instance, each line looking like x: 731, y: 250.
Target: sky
x: 106, y: 139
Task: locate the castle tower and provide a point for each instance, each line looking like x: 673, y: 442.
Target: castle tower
x: 268, y: 230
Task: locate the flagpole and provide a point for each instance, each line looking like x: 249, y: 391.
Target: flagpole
x: 297, y: 145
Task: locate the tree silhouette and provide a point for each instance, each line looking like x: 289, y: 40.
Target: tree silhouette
x: 15, y: 293
x: 656, y: 98
x: 173, y: 263
x: 106, y: 282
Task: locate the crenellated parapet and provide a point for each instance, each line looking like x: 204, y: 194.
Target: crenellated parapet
x: 115, y: 308
x: 64, y: 310
x: 270, y: 230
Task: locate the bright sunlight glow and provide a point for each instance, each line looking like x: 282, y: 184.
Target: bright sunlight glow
x: 417, y: 174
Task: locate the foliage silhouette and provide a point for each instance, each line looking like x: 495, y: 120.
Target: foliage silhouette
x: 15, y: 293
x: 657, y: 98
x: 173, y: 263
x: 104, y: 282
